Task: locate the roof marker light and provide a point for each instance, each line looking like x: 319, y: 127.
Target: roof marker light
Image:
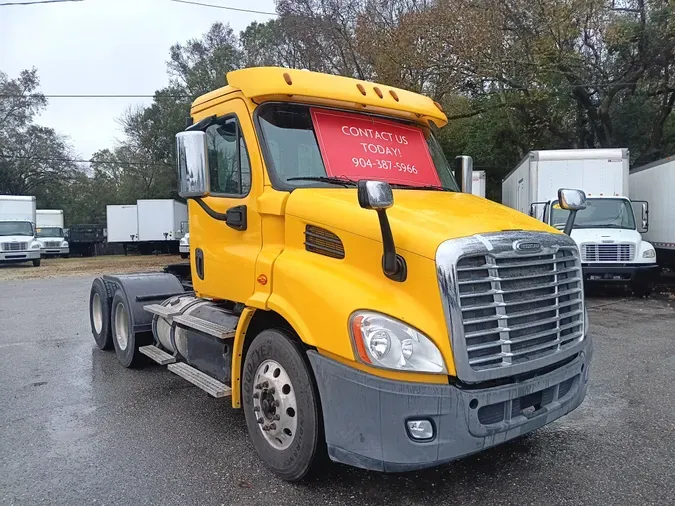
x: 361, y: 89
x: 287, y: 78
x: 378, y: 91
x: 393, y: 94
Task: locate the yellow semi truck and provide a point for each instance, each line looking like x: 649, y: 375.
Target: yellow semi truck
x: 344, y: 292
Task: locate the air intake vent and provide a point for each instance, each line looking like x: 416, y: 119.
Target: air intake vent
x: 323, y: 242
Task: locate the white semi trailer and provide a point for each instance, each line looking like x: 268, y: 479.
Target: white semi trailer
x: 478, y: 183
x: 17, y: 230
x: 655, y: 183
x: 607, y: 231
x: 50, y: 233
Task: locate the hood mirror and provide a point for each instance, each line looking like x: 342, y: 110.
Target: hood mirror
x: 378, y: 196
x: 375, y: 195
x: 572, y: 201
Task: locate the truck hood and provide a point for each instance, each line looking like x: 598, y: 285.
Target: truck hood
x: 420, y: 220
x: 605, y: 235
x: 17, y: 238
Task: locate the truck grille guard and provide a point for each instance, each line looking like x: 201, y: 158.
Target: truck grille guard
x: 513, y: 302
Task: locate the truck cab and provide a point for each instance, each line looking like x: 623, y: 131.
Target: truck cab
x: 17, y: 230
x: 344, y: 292
x: 608, y: 235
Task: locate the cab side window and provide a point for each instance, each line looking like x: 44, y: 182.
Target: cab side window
x: 229, y: 165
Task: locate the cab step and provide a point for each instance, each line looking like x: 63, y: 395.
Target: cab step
x: 159, y: 356
x: 211, y: 386
x: 200, y: 325
x: 164, y: 311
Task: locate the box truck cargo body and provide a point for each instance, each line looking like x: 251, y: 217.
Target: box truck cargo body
x: 150, y: 225
x: 607, y: 232
x: 160, y: 219
x: 655, y: 183
x: 17, y: 230
x: 478, y: 183
x: 50, y: 233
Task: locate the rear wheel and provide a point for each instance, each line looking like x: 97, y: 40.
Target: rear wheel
x: 184, y: 255
x: 281, y: 405
x: 641, y: 288
x: 36, y: 262
x: 125, y: 341
x: 100, y: 300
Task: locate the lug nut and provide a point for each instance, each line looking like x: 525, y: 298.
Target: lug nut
x: 271, y: 390
x: 260, y: 420
x: 276, y: 417
x: 258, y: 386
x: 256, y: 395
x: 266, y: 428
x: 265, y: 384
x: 275, y: 404
x: 272, y: 426
x: 256, y: 408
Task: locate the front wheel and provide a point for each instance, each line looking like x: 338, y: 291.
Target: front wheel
x: 36, y: 262
x: 281, y: 405
x: 184, y: 255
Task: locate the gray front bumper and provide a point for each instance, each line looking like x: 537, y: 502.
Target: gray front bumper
x: 19, y: 256
x: 365, y: 416
x: 55, y: 251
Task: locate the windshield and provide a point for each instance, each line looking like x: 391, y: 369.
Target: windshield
x: 599, y: 213
x: 16, y: 228
x: 49, y: 232
x: 309, y: 146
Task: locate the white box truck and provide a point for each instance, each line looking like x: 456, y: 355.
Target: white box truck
x: 151, y: 225
x: 607, y: 231
x: 122, y: 225
x: 17, y: 230
x: 50, y: 233
x: 478, y: 183
x: 655, y: 183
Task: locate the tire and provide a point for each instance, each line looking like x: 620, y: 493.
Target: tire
x: 36, y: 263
x: 125, y: 341
x: 100, y: 301
x: 67, y: 255
x: 290, y: 455
x: 184, y: 255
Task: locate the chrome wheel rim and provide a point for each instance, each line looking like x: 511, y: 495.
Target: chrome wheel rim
x: 121, y: 326
x: 97, y: 313
x: 275, y: 405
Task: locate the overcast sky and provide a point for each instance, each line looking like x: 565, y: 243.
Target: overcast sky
x: 104, y: 47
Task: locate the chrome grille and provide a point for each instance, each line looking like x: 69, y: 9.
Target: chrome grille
x: 608, y: 252
x: 52, y: 244
x: 511, y: 311
x: 14, y: 246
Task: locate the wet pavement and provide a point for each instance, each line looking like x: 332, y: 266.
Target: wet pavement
x: 77, y: 428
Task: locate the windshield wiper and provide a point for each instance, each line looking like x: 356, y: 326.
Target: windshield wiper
x: 343, y: 181
x: 426, y: 187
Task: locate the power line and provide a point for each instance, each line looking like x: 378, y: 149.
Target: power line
x: 75, y: 160
x: 225, y: 7
x: 38, y: 2
x: 87, y: 95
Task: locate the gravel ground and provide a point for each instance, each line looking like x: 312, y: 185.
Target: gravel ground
x: 77, y: 428
x: 93, y: 266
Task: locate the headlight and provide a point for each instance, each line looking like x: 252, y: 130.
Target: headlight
x: 64, y: 244
x: 384, y: 342
x: 650, y: 253
x: 35, y: 245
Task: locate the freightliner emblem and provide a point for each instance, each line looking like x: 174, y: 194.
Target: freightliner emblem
x: 526, y: 246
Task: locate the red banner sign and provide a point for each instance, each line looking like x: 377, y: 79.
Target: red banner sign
x: 362, y: 147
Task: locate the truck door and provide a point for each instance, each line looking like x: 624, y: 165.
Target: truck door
x: 225, y: 227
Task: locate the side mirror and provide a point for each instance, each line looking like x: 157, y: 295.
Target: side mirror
x: 375, y: 194
x: 644, y: 214
x: 193, y: 164
x: 464, y: 172
x: 572, y: 201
